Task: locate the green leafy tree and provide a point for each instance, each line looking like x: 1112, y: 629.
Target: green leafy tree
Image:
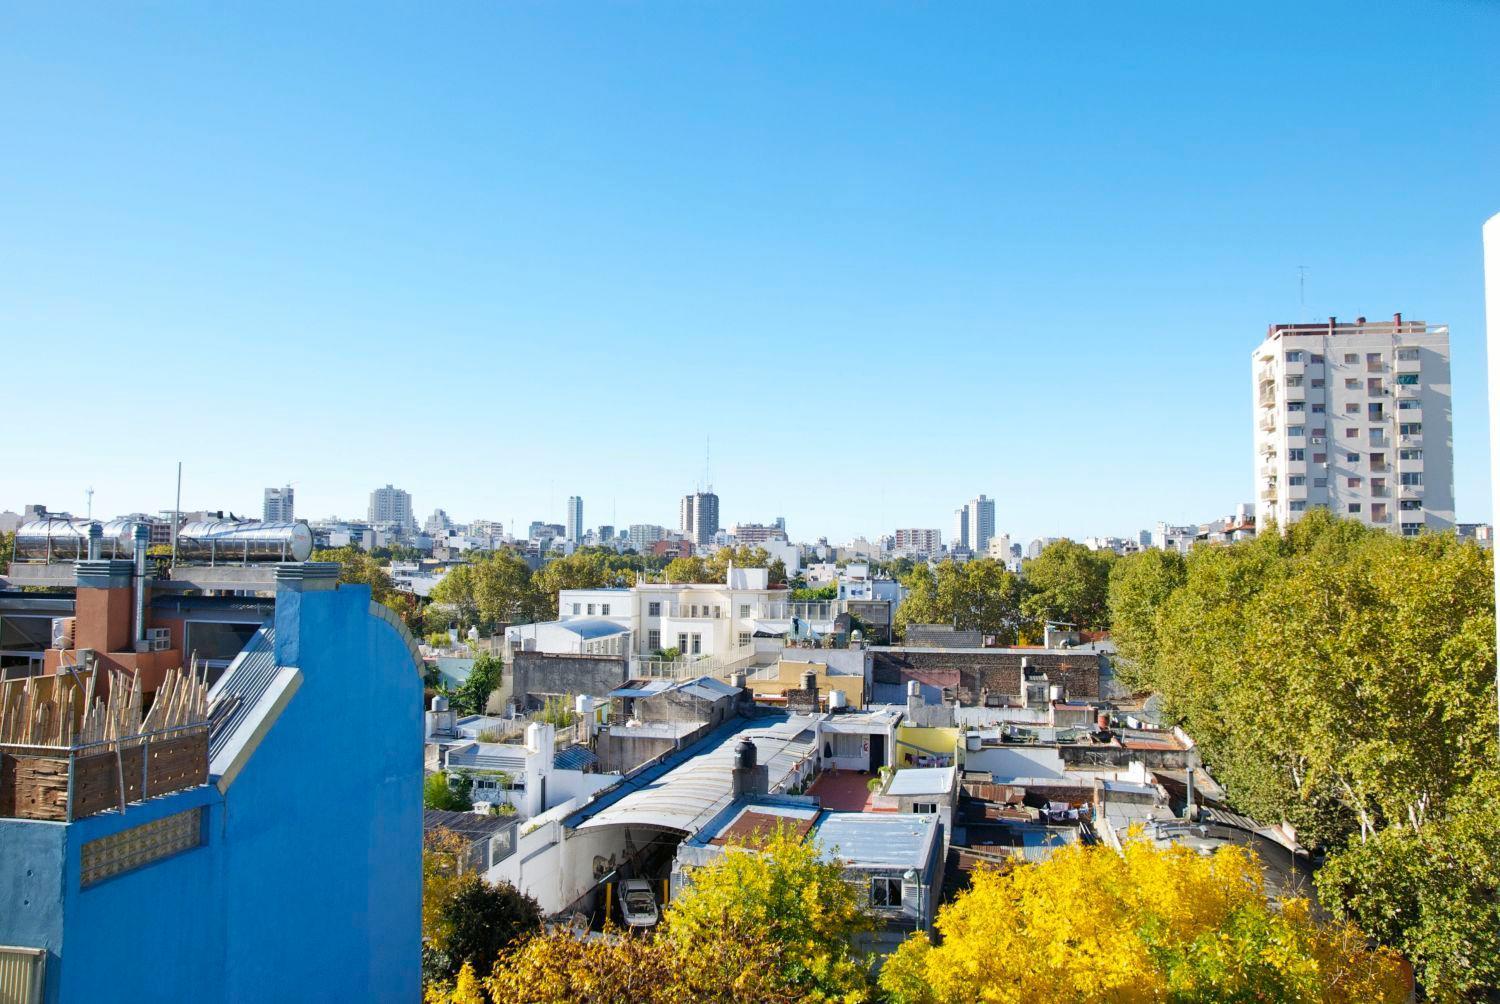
x: 358, y: 567
x: 492, y: 590
x: 439, y: 793
x: 473, y: 695
x: 689, y: 569
x: 465, y: 920
x: 979, y: 595
x: 1139, y: 585
x: 1068, y: 582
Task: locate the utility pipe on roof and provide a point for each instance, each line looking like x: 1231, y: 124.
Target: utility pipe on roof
x: 142, y: 535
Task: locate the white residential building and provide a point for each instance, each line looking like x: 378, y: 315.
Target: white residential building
x: 1356, y: 418
x: 279, y: 506
x: 698, y: 619
x: 643, y: 535
x: 981, y: 524
x: 915, y: 540
x: 960, y: 539
x: 391, y: 507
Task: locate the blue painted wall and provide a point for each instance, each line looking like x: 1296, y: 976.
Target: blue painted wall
x: 308, y: 886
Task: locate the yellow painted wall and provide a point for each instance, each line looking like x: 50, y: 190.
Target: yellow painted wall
x: 939, y: 740
x: 789, y: 676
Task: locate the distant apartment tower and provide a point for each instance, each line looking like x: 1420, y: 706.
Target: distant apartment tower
x: 278, y: 506
x: 1355, y: 418
x: 698, y: 517
x: 981, y: 523
x: 917, y: 540
x: 391, y: 506
x: 574, y: 523
x: 643, y: 535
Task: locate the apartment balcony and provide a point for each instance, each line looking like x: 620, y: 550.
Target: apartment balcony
x: 1267, y: 422
x: 64, y: 782
x: 1411, y: 491
x: 1379, y: 467
x: 1267, y: 400
x: 1411, y: 439
x: 1407, y: 391
x: 1411, y: 466
x: 1380, y: 493
x: 1411, y: 413
x: 1379, y: 441
x: 1296, y: 491
x: 1268, y: 495
x: 1269, y: 471
x: 1291, y: 366
x: 1408, y: 366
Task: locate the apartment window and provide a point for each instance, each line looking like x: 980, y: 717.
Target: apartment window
x: 1296, y: 455
x: 1320, y: 458
x: 1374, y: 386
x: 1295, y: 430
x: 1316, y: 382
x: 1412, y: 453
x: 1316, y: 359
x: 697, y: 644
x: 1297, y: 480
x: 1374, y: 358
x: 1351, y: 458
x: 1351, y: 407
x: 1354, y: 506
x: 1351, y: 433
x: 1408, y: 404
x: 1376, y: 411
x: 1411, y: 478
x: 653, y: 609
x: 1298, y: 505
x: 653, y: 640
x: 717, y: 613
x: 1351, y: 383
x: 1408, y: 354
x: 1318, y: 408
x: 1319, y: 431
x: 744, y: 639
x: 1356, y: 482
x: 1377, y: 512
x: 140, y: 846
x: 604, y: 609
x: 1296, y: 406
x: 576, y: 608
x: 682, y: 644
x: 591, y: 610
x: 1411, y: 428
x: 1410, y: 529
x: 1320, y: 482
x: 1406, y: 379
x: 1294, y: 381
x: 1351, y: 357
x: 1411, y: 505
x: 744, y: 610
x: 885, y: 892
x: 1294, y: 356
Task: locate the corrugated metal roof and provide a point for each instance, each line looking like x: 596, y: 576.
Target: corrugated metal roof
x: 575, y: 757
x: 878, y: 839
x: 640, y: 688
x: 469, y: 824
x: 242, y: 685
x: 707, y: 688
x: 690, y: 787
x: 489, y: 756
x: 592, y: 628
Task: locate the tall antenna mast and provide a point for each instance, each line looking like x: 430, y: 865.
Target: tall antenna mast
x: 1302, y: 289
x: 90, y: 494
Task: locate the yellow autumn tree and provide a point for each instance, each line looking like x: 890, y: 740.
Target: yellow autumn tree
x: 1151, y: 924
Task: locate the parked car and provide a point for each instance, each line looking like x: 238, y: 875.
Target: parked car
x: 638, y: 903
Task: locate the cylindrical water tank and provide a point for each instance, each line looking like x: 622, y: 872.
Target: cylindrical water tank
x: 810, y: 680
x: 744, y: 754
x: 54, y: 538
x: 971, y: 742
x: 1055, y: 692
x: 232, y: 541
x: 913, y: 688
x: 837, y: 700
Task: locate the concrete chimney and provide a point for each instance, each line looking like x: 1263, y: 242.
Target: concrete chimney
x: 142, y: 534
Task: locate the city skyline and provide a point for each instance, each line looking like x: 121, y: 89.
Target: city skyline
x: 1066, y: 329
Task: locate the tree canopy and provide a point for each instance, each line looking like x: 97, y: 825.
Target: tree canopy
x: 1068, y: 582
x: 977, y: 595
x: 1150, y: 924
x: 762, y: 925
x: 465, y: 920
x: 1342, y: 679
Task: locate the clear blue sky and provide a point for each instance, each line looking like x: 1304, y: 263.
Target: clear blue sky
x: 888, y: 256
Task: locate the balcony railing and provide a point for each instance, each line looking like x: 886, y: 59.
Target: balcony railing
x: 689, y: 667
x: 64, y: 783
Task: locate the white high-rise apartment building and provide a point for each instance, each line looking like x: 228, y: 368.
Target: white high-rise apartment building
x: 391, y: 506
x: 698, y: 517
x: 643, y: 535
x: 574, y: 525
x: 1357, y: 418
x: 981, y: 523
x: 279, y: 505
x: 960, y: 538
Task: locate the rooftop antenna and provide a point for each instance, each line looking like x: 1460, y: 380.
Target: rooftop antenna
x: 1302, y: 289
x: 90, y: 494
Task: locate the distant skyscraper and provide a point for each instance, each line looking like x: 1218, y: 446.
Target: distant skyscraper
x: 960, y: 529
x: 981, y: 523
x: 1355, y: 418
x: 698, y: 517
x: 606, y: 533
x: 917, y: 539
x: 574, y: 522
x: 278, y: 507
x: 438, y: 523
x: 391, y: 506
